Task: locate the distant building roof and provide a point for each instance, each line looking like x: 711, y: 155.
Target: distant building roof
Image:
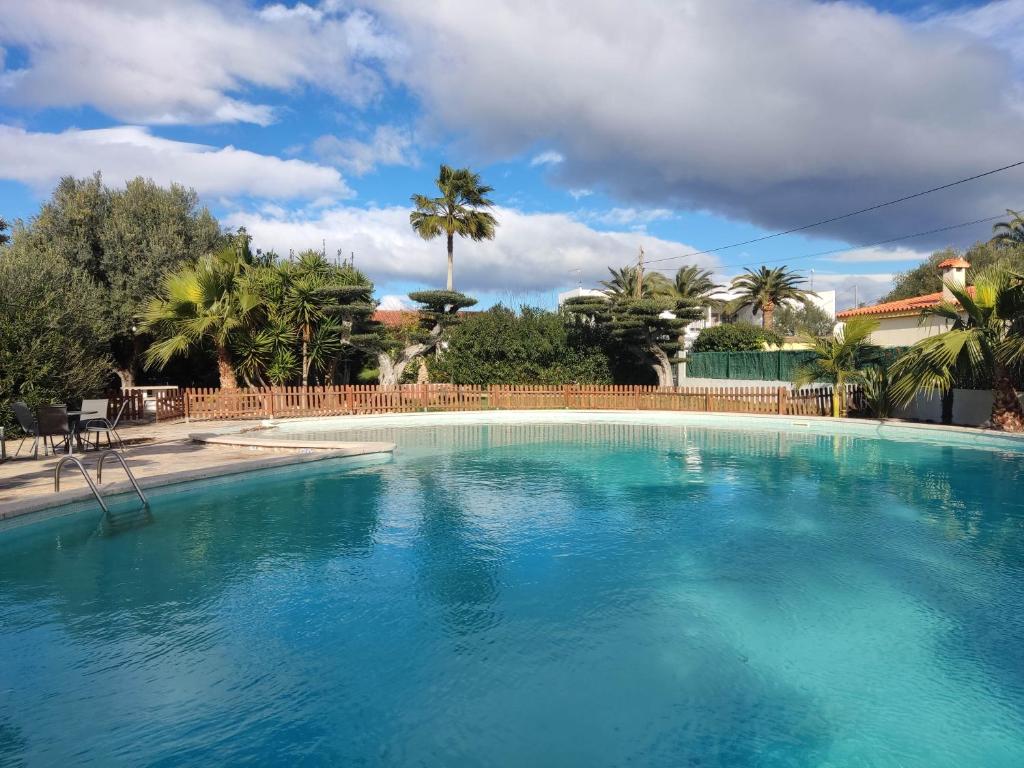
x: 394, y: 318
x: 909, y: 306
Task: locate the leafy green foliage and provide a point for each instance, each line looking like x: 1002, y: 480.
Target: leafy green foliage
x: 735, y: 337
x: 803, y: 319
x: 53, y: 333
x: 534, y: 347
x: 126, y: 240
x: 837, y: 360
x: 985, y: 339
x: 4, y: 226
x: 646, y: 323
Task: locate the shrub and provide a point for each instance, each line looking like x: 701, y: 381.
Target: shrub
x: 735, y: 337
x: 53, y: 333
x: 534, y: 347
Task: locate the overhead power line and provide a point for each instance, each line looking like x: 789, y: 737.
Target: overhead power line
x: 842, y: 216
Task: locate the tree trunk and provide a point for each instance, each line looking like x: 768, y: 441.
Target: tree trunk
x: 947, y: 406
x: 305, y: 355
x: 126, y: 376
x: 767, y: 315
x: 451, y: 262
x: 662, y: 366
x: 1007, y: 413
x: 225, y: 370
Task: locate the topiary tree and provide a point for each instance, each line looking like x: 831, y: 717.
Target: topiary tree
x: 735, y: 337
x: 646, y: 324
x: 438, y: 311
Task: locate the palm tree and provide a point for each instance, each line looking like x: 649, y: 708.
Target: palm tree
x: 838, y: 360
x: 626, y: 283
x: 766, y: 288
x: 456, y: 212
x: 693, y: 284
x: 203, y: 302
x: 985, y: 341
x: 1009, y: 232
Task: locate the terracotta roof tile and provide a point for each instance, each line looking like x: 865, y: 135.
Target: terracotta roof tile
x: 900, y: 307
x: 394, y: 318
x: 955, y: 263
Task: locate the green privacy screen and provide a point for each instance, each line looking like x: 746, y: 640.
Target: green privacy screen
x: 759, y: 366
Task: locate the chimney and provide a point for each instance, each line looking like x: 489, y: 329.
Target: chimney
x: 954, y: 272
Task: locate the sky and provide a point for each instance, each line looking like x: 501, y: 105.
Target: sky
x: 678, y: 127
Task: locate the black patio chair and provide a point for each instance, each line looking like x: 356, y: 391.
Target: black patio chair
x: 99, y: 426
x: 52, y: 421
x: 27, y: 422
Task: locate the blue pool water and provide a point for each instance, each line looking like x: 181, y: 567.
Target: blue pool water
x: 535, y: 595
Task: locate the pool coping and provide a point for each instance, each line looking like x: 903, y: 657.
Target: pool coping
x: 73, y: 498
x: 956, y: 436
x: 284, y: 452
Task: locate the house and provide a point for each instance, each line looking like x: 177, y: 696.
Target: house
x: 900, y: 323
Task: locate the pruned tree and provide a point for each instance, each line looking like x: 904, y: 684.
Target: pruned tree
x: 648, y: 325
x: 438, y: 311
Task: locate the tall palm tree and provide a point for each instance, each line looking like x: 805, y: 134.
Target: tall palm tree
x: 203, y: 302
x: 694, y: 284
x: 1009, y: 232
x: 985, y: 340
x: 766, y: 288
x: 460, y: 210
x: 839, y: 359
x: 626, y: 283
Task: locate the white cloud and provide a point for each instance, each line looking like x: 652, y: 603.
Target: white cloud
x: 393, y: 301
x: 876, y: 254
x: 578, y: 194
x: 853, y: 289
x: 550, y: 157
x: 802, y: 111
x: 630, y: 216
x: 189, y: 61
x: 532, y: 251
x: 388, y: 146
x: 40, y: 159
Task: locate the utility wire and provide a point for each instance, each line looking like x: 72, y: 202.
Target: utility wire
x: 847, y: 215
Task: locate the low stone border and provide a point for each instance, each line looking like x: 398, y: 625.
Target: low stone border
x: 76, y: 498
x: 260, y: 442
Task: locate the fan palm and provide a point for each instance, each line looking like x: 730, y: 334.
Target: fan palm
x: 1009, y: 232
x: 204, y: 302
x: 460, y: 210
x: 766, y: 288
x: 838, y: 360
x: 985, y: 340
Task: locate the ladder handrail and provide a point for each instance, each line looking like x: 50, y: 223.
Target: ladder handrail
x: 131, y: 477
x: 88, y: 480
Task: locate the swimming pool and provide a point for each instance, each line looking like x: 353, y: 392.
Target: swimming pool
x: 535, y: 594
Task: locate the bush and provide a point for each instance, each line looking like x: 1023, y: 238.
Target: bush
x: 735, y: 337
x: 535, y: 347
x: 812, y: 320
x: 53, y: 334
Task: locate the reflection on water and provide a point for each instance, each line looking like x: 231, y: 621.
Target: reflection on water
x: 596, y: 594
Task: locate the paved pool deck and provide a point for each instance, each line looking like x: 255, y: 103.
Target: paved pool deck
x: 158, y: 454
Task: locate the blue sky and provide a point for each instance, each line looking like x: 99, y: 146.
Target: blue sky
x: 677, y: 127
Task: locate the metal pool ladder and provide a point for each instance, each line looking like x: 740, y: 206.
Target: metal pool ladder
x: 99, y: 476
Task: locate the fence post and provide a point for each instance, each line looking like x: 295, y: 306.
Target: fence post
x: 783, y: 400
x: 188, y: 404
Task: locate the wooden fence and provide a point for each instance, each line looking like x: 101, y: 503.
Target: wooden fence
x: 282, y: 402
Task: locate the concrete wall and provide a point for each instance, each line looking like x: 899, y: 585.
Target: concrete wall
x: 971, y: 407
x: 904, y: 331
